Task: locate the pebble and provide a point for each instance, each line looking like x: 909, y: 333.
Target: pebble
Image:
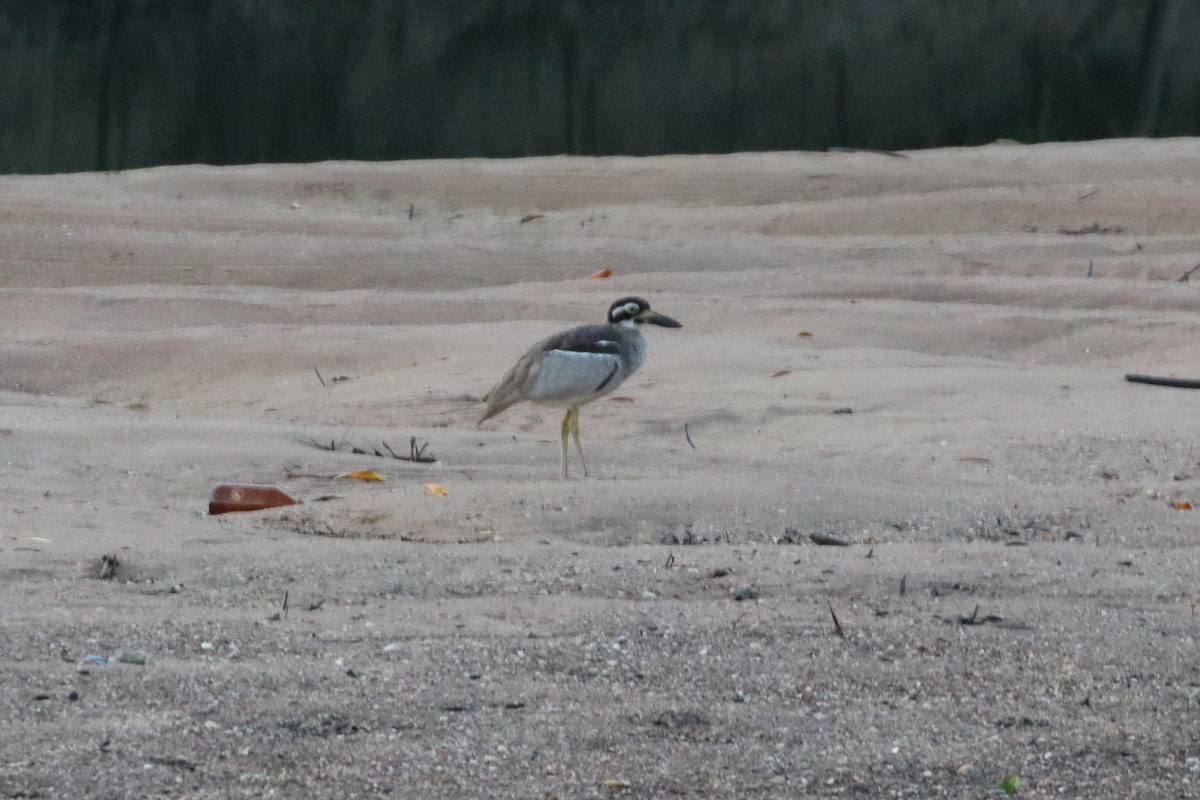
x: 746, y: 593
x: 131, y: 657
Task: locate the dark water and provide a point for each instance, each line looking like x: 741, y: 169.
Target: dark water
x: 112, y: 84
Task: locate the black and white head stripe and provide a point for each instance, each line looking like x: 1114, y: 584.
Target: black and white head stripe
x: 626, y: 308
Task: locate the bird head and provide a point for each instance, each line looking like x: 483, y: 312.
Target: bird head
x: 633, y: 311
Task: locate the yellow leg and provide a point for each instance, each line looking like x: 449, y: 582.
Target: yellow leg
x: 566, y: 430
x: 578, y: 445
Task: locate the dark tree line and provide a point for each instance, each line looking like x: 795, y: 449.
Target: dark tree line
x: 109, y: 84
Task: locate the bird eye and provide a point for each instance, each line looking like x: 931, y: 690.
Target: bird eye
x: 632, y: 309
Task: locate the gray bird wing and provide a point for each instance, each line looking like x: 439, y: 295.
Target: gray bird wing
x: 576, y: 364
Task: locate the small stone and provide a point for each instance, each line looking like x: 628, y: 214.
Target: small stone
x: 131, y: 657
x: 73, y: 696
x: 745, y: 593
x: 827, y: 540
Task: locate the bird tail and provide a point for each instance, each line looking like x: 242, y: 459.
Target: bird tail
x: 491, y: 411
x: 495, y: 405
x: 487, y: 412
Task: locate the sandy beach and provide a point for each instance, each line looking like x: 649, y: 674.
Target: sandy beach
x: 919, y: 355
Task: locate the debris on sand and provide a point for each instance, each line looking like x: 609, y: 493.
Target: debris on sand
x: 230, y: 497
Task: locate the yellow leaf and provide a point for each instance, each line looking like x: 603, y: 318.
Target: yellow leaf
x: 433, y: 488
x: 604, y: 273
x: 362, y: 475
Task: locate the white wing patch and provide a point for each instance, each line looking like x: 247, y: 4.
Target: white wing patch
x: 568, y: 376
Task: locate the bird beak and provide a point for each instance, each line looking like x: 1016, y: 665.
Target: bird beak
x: 654, y: 318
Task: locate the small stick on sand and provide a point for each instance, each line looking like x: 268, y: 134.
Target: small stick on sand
x: 416, y: 454
x: 1153, y: 380
x: 1187, y: 276
x: 837, y: 626
x: 322, y: 380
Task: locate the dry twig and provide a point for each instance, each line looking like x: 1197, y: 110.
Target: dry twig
x: 416, y: 453
x: 837, y: 626
x: 1153, y: 380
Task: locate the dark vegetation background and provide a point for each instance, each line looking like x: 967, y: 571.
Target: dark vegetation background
x: 110, y: 84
